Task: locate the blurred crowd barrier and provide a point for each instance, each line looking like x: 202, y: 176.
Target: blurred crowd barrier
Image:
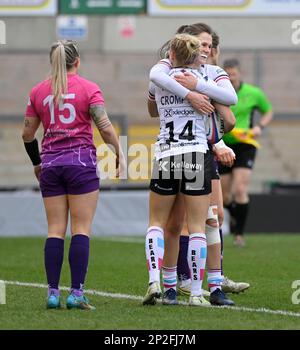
x: 123, y: 79
x: 277, y: 160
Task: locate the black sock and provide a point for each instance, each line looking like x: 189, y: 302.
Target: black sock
x: 241, y: 212
x: 231, y: 207
x: 222, y: 248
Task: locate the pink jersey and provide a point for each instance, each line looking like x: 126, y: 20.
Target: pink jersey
x: 68, y: 134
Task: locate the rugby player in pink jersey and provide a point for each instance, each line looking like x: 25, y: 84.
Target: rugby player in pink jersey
x: 66, y: 104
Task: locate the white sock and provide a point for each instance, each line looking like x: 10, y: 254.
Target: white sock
x: 154, y: 246
x: 214, y: 279
x: 197, y: 258
x: 169, y: 277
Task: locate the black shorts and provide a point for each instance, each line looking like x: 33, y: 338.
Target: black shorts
x: 214, y: 166
x: 188, y: 173
x: 245, y: 156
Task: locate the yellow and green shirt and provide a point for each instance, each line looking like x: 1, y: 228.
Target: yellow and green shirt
x: 250, y: 98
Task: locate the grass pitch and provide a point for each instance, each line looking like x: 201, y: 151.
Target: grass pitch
x: 270, y: 263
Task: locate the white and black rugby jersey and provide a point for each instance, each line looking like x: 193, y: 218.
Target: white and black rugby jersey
x: 214, y: 73
x: 182, y: 129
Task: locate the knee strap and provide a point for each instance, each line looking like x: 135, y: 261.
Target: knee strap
x: 212, y: 213
x: 212, y: 232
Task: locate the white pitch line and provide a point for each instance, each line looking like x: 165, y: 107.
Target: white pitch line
x: 87, y: 291
x: 140, y: 298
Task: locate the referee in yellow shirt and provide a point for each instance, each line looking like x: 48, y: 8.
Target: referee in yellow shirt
x: 243, y: 140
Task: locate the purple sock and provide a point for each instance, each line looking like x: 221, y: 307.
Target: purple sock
x: 78, y: 260
x: 54, y: 291
x: 183, y: 271
x: 53, y: 258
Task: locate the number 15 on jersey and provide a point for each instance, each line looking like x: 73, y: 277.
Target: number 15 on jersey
x: 61, y: 107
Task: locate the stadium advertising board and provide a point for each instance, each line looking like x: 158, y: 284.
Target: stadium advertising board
x: 28, y: 7
x: 102, y: 7
x: 72, y: 27
x: 223, y: 7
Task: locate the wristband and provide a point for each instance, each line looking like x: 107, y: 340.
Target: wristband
x: 32, y: 149
x: 261, y: 126
x: 220, y: 144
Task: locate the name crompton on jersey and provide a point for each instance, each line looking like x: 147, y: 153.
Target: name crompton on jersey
x: 171, y: 100
x: 182, y: 128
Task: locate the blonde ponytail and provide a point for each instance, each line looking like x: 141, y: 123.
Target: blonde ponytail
x: 58, y: 72
x: 63, y: 56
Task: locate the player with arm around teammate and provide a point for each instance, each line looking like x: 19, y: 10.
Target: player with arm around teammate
x: 223, y: 92
x: 180, y: 167
x: 66, y: 104
x: 225, y: 155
